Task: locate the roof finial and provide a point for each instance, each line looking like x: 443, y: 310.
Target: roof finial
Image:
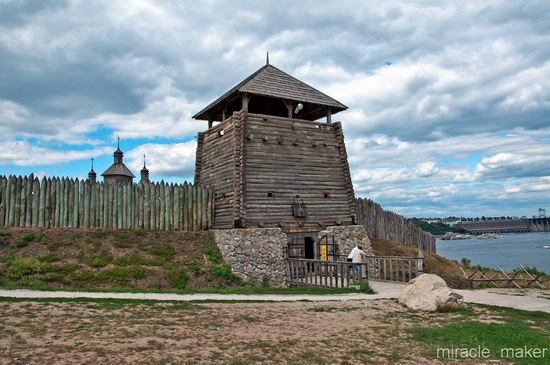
x: 267, y: 59
x: 118, y: 142
x: 92, y: 163
x: 143, y: 160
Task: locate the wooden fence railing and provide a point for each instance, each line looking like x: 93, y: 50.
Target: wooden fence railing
x: 502, y: 279
x: 341, y: 274
x: 394, y: 268
x: 318, y: 273
x: 70, y: 203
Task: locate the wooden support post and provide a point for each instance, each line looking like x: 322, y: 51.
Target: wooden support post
x: 76, y: 202
x: 28, y: 214
x: 18, y: 201
x: 35, y: 202
x: 288, y: 105
x: 420, y: 263
x: 3, y: 196
x: 245, y: 99
x: 329, y: 116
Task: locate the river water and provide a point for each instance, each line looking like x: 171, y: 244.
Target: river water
x: 508, y: 252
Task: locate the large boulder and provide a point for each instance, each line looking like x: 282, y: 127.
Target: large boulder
x: 429, y: 292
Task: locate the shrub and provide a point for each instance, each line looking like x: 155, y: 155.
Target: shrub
x: 102, y: 260
x: 20, y: 268
x: 531, y: 270
x: 137, y: 260
x: 138, y: 272
x: 177, y: 278
x: 21, y: 244
x: 117, y: 275
x: 213, y: 253
x: 122, y: 239
x: 5, y: 238
x: 49, y: 257
x: 61, y: 268
x: 7, y: 258
x: 29, y: 238
x: 364, y: 287
x: 195, y: 266
x: 165, y: 251
x: 223, y: 271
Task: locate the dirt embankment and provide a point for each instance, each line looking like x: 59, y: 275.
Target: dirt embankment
x: 433, y: 264
x: 109, y: 259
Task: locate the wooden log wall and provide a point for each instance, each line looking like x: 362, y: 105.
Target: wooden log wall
x: 216, y: 166
x: 289, y: 157
x: 386, y: 225
x: 72, y: 203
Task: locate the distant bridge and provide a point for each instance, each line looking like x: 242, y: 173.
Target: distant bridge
x: 507, y: 226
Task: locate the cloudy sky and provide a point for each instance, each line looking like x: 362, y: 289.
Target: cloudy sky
x: 449, y: 102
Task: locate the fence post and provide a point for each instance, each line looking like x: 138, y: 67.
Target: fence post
x: 420, y: 263
x: 2, y: 199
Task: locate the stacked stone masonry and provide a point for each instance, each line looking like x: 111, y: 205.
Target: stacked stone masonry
x: 257, y: 254
x: 347, y: 237
x: 254, y: 254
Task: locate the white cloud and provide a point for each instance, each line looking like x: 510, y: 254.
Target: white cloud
x: 165, y: 160
x: 22, y: 153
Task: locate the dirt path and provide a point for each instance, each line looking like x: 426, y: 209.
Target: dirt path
x: 525, y: 299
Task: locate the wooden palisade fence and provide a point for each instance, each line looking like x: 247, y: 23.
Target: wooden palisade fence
x: 382, y: 224
x: 72, y: 203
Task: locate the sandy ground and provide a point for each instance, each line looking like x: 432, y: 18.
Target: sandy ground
x: 352, y: 332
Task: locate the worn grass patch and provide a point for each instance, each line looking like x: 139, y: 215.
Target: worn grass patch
x: 516, y: 330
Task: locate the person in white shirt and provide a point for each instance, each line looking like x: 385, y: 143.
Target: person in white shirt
x: 350, y: 256
x: 357, y: 259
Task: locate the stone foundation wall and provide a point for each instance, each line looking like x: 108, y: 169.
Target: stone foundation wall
x: 257, y: 254
x: 347, y: 237
x: 254, y: 254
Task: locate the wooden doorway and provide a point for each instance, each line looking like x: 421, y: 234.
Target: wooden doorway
x: 309, y: 248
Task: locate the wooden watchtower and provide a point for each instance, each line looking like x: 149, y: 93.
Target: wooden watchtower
x: 271, y: 159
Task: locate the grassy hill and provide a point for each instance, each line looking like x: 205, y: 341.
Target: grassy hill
x: 107, y: 259
x: 433, y: 264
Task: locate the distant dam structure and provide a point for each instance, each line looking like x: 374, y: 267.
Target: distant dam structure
x: 524, y: 225
x: 541, y: 224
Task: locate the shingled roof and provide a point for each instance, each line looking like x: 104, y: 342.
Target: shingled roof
x: 272, y: 82
x: 118, y: 169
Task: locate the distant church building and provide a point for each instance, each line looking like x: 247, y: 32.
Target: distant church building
x: 144, y: 173
x: 118, y: 173
x: 92, y: 176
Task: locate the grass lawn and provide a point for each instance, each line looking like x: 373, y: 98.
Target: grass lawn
x: 502, y: 334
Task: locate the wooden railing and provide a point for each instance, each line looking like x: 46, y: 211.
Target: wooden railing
x: 319, y: 273
x: 394, y: 268
x: 342, y: 274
